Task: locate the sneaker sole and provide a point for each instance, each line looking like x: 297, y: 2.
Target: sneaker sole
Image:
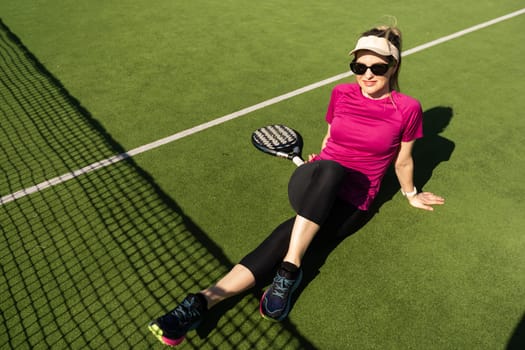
x: 157, y: 332
x: 287, y: 310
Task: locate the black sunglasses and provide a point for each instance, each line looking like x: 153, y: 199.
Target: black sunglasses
x: 377, y: 69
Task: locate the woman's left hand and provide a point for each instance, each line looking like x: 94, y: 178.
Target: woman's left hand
x: 425, y: 200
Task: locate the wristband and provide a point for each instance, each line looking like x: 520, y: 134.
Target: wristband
x: 409, y: 194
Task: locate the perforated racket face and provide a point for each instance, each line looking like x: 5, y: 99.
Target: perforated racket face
x: 276, y: 137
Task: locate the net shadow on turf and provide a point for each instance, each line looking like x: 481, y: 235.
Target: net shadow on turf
x: 87, y: 264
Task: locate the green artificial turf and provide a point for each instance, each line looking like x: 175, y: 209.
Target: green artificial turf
x: 89, y: 262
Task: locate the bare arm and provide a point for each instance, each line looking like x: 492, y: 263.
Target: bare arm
x: 323, y: 144
x: 404, y: 167
x: 325, y: 139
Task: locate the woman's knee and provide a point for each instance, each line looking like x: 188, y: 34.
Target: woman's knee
x: 330, y: 173
x: 317, y: 174
x: 315, y: 186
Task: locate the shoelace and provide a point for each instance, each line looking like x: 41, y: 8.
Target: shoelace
x: 281, y: 286
x: 185, y: 312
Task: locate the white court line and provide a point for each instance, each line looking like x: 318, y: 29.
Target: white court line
x: 112, y: 160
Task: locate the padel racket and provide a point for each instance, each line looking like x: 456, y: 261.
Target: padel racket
x: 280, y: 141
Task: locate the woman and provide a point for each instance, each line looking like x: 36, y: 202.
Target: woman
x: 370, y: 125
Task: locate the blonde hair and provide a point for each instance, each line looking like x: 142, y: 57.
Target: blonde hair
x: 393, y: 35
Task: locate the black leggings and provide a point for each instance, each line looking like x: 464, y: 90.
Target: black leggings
x: 312, y: 191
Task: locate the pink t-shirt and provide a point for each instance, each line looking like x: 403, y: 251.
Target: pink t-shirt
x: 365, y: 136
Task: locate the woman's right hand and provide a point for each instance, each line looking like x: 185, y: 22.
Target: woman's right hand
x: 311, y: 157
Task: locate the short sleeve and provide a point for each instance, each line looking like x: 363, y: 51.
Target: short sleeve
x: 414, y: 124
x: 331, y: 105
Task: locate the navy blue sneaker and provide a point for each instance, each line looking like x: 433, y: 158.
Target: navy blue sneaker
x: 275, y: 302
x: 172, y: 327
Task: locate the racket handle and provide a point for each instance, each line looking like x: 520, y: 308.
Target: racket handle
x: 297, y: 161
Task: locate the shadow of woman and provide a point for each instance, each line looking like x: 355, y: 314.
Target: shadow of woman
x: 428, y: 153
